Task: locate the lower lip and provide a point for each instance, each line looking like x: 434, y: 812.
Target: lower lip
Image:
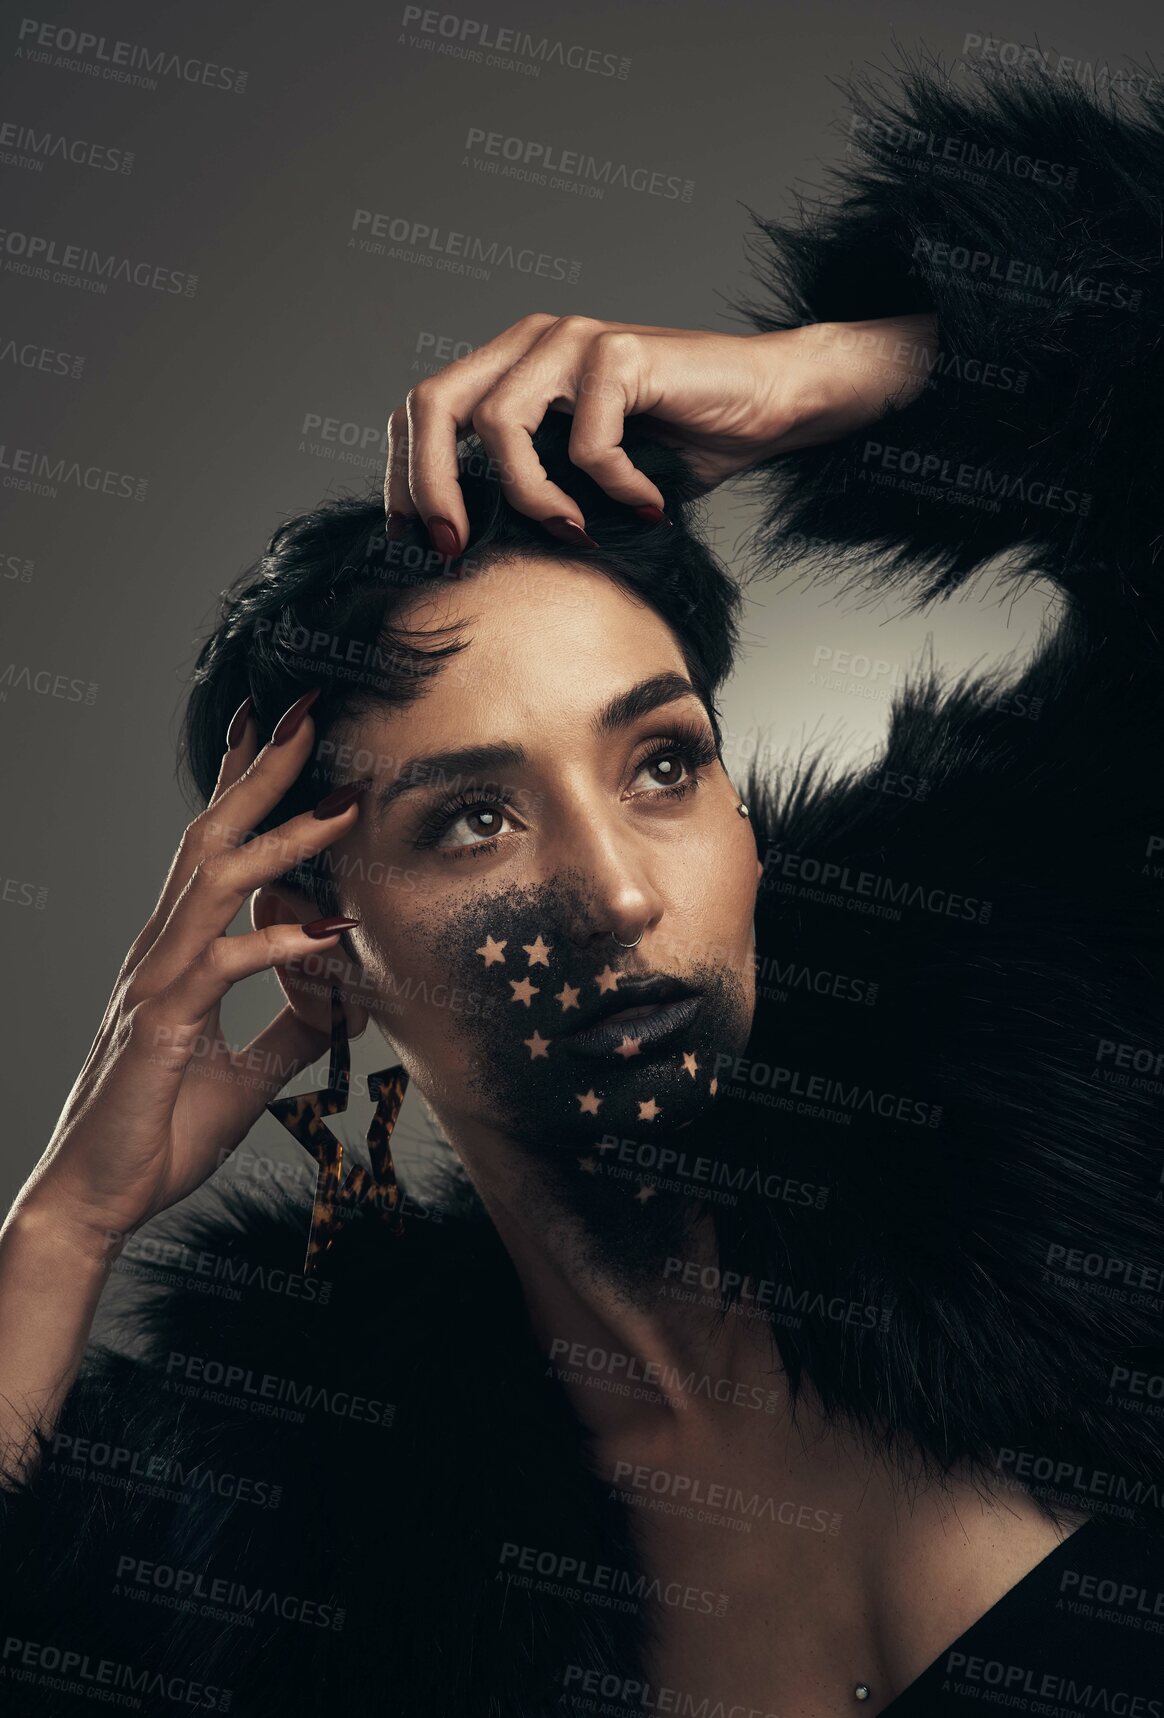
x: 650, y: 1029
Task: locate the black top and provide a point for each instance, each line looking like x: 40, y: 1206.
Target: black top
x: 1082, y: 1632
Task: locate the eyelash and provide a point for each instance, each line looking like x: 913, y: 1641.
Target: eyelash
x: 686, y: 741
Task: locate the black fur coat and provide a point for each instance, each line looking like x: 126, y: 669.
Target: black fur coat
x: 286, y: 1504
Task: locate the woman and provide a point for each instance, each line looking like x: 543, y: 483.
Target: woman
x: 780, y: 1334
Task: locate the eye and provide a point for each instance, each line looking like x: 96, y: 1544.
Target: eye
x: 478, y: 822
x: 673, y: 762
x: 665, y: 769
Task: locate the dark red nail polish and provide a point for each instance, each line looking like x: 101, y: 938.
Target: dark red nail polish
x: 340, y: 798
x: 567, y: 531
x: 443, y: 538
x: 653, y: 515
x: 327, y: 926
x: 289, y: 722
x: 238, y: 723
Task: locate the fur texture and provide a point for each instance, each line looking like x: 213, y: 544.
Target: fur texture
x: 1028, y: 215
x: 977, y: 1133
x: 378, y: 1571
x: 1019, y: 1240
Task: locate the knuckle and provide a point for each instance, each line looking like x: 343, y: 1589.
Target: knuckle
x: 537, y: 319
x: 194, y: 836
x: 212, y: 874
x: 587, y: 450
x: 139, y: 1022
x: 216, y: 956
x: 398, y: 421
x: 420, y: 397
x: 131, y: 962
x: 616, y: 346
x: 576, y: 325
x: 488, y: 414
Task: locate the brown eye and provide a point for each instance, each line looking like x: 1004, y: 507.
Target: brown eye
x: 473, y: 823
x: 665, y: 769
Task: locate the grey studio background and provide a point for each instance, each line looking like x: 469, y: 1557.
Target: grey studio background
x: 229, y: 148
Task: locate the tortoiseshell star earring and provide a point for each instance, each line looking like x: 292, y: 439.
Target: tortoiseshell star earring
x: 303, y: 1116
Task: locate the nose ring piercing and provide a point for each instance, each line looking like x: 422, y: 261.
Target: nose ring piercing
x: 635, y: 944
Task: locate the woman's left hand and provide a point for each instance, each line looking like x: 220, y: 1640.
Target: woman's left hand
x: 728, y: 400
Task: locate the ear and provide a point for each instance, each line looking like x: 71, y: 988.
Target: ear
x: 310, y: 993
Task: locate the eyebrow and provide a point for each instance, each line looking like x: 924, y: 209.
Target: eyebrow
x: 432, y: 768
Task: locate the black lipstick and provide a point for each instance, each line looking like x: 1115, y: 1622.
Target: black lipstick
x: 634, y: 1030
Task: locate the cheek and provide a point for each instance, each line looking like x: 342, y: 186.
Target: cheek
x: 428, y: 994
x: 711, y: 884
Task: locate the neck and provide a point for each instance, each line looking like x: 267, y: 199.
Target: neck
x: 650, y: 1373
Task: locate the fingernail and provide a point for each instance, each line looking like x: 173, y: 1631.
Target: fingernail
x: 289, y: 721
x: 326, y: 927
x: 653, y: 515
x: 567, y: 531
x: 340, y: 798
x: 238, y: 724
x: 443, y: 538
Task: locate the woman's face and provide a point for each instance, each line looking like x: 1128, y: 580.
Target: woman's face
x: 555, y: 781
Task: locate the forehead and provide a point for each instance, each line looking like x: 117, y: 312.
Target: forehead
x: 543, y: 639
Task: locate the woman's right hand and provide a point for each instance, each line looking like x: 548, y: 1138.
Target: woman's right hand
x: 161, y: 1098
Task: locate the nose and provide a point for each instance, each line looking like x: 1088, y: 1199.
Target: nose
x: 616, y: 888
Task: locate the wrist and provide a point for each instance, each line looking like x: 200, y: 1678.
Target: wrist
x: 46, y: 1228
x: 885, y: 362
x: 832, y: 378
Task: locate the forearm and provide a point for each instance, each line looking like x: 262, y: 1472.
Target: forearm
x: 850, y: 374
x: 51, y: 1280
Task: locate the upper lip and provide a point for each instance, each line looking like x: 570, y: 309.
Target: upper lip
x: 633, y: 993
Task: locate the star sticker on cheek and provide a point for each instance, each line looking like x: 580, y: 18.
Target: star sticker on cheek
x: 538, y: 951
x: 649, y: 1110
x: 689, y: 1062
x: 607, y: 980
x: 589, y: 1102
x: 568, y: 996
x: 523, y: 990
x: 492, y: 951
x: 538, y: 1046
x: 629, y: 1047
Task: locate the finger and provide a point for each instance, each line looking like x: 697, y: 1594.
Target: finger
x: 243, y: 803
x: 242, y: 746
x: 167, y: 1026
x: 546, y: 375
x: 592, y: 370
x: 440, y: 408
x: 397, y: 499
x: 220, y: 886
x: 259, y: 1071
x: 241, y: 743
x: 433, y: 477
x: 610, y: 388
x: 236, y: 1086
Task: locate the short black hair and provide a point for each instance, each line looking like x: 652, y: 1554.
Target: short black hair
x: 318, y: 608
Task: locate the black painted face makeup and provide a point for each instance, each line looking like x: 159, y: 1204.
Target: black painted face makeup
x: 574, y: 1042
